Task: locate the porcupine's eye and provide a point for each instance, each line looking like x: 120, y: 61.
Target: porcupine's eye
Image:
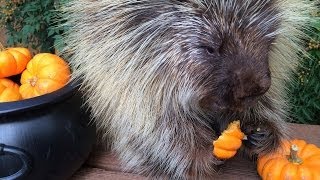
x: 210, y: 50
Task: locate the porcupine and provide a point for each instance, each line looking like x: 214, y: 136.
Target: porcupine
x: 163, y: 78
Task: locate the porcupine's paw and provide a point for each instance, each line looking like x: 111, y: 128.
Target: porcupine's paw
x: 256, y: 138
x: 262, y: 139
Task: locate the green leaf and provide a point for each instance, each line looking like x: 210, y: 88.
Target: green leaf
x: 51, y: 32
x: 27, y: 29
x: 307, y: 115
x: 317, y: 104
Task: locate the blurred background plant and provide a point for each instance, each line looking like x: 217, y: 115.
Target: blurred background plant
x: 305, y: 90
x: 33, y: 23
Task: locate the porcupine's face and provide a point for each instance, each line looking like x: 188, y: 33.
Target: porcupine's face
x: 234, y: 45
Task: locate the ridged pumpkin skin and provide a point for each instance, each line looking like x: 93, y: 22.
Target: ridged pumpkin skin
x: 277, y: 166
x: 229, y: 141
x: 13, y: 61
x: 45, y: 73
x: 9, y: 91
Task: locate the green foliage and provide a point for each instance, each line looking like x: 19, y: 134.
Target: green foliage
x: 305, y: 91
x: 32, y: 24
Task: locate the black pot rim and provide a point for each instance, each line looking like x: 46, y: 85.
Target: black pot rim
x: 36, y: 102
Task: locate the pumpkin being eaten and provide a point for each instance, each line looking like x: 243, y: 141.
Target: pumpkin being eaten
x: 45, y: 73
x: 229, y: 141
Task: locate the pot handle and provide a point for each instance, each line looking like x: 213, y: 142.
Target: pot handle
x: 18, y: 153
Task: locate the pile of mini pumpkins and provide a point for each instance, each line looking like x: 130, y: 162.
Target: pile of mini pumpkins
x: 295, y: 159
x: 42, y: 74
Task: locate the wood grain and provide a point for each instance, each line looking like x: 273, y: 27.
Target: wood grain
x: 100, y: 174
x: 105, y: 165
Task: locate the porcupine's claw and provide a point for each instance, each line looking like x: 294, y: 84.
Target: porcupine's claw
x: 256, y: 138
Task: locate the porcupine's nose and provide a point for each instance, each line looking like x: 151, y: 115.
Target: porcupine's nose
x: 248, y: 86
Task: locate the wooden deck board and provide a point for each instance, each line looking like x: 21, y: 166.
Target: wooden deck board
x: 103, y: 165
x: 86, y: 173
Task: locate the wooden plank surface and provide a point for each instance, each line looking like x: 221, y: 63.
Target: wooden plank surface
x: 103, y: 165
x: 86, y: 173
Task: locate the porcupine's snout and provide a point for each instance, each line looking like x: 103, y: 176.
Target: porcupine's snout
x: 241, y: 76
x: 248, y: 86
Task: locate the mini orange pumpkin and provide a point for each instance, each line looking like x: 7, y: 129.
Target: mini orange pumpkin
x: 9, y: 91
x: 229, y: 141
x: 45, y: 73
x: 13, y: 61
x: 294, y: 160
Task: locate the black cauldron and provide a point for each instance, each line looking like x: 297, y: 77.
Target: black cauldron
x: 46, y: 137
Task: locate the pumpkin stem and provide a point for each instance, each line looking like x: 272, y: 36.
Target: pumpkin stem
x: 33, y: 81
x: 293, y: 157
